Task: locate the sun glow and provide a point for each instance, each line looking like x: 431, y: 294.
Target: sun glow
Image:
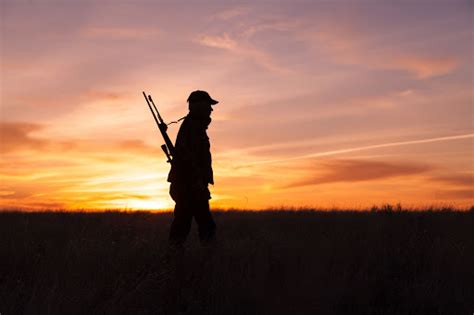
x: 137, y: 204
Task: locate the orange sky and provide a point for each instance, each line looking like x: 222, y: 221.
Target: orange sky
x: 321, y: 104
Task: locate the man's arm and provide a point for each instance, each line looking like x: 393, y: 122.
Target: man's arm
x: 188, y: 151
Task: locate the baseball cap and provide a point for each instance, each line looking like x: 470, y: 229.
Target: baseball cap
x: 198, y: 96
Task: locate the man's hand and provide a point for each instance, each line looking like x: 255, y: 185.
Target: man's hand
x: 163, y: 127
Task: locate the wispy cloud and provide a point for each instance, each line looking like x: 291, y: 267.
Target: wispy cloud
x: 223, y: 41
x: 466, y: 179
x: 358, y: 170
x: 94, y: 95
x: 241, y: 42
x: 346, y: 43
x: 425, y: 67
x: 368, y: 147
x: 18, y: 136
x: 229, y: 14
x: 450, y: 194
x: 119, y: 33
x: 242, y: 49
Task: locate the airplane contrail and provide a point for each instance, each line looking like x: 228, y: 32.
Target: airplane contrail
x: 367, y: 147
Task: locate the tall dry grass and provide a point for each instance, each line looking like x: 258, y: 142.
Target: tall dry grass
x: 276, y: 262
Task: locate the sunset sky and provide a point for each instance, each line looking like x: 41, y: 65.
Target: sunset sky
x: 321, y: 104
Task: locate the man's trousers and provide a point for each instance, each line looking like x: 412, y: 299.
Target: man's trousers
x: 191, y: 203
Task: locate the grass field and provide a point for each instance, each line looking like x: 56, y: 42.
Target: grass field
x: 275, y: 262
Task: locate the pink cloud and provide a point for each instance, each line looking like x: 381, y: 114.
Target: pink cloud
x: 358, y: 170
x: 243, y: 49
x: 17, y: 136
x: 229, y: 14
x: 242, y: 42
x: 119, y: 33
x: 346, y: 44
x: 223, y: 41
x: 104, y: 95
x: 425, y: 67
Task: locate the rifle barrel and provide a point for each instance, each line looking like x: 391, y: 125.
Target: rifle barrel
x: 152, y: 112
x: 161, y: 126
x: 153, y: 103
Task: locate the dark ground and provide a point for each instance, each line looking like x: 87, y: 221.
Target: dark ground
x: 278, y: 262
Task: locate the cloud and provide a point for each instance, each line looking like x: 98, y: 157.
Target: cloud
x: 96, y: 95
x: 425, y: 67
x: 351, y: 44
x: 36, y: 205
x: 454, y: 194
x: 137, y: 146
x: 456, y: 179
x: 359, y: 170
x: 17, y: 136
x: 241, y: 42
x: 115, y: 33
x: 15, y: 194
x: 242, y: 49
x: 229, y: 13
x: 317, y: 108
x: 223, y: 41
x: 368, y: 147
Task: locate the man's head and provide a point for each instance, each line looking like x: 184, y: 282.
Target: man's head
x: 200, y: 103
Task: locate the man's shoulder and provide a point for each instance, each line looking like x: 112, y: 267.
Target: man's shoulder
x: 185, y: 121
x: 184, y: 125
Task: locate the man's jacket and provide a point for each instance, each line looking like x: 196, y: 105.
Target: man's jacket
x: 192, y: 161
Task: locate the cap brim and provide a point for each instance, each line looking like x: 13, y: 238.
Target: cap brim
x: 213, y: 102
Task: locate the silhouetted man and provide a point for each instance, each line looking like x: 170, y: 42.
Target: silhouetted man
x: 191, y: 172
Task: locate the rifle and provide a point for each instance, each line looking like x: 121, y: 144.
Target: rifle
x: 168, y: 147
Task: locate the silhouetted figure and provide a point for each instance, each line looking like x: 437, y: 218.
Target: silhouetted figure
x: 191, y: 172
